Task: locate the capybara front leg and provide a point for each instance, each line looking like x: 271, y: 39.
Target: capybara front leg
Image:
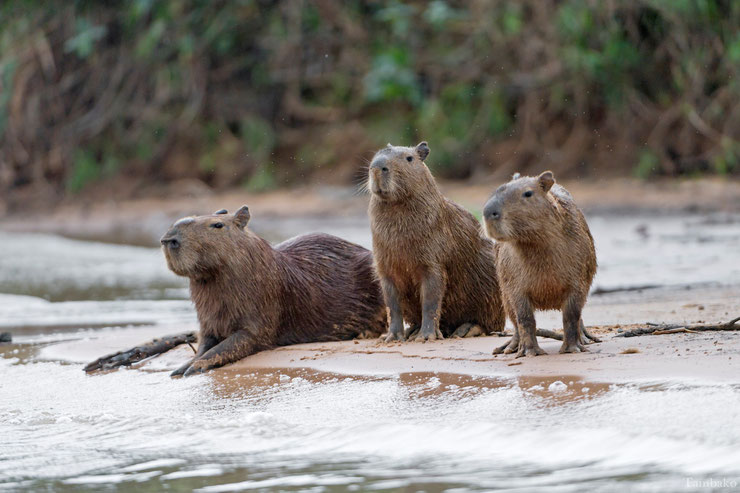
x: 586, y: 337
x: 235, y: 347
x: 528, y: 345
x: 204, y: 345
x: 512, y: 346
x: 571, y: 327
x: 432, y: 293
x: 393, y: 302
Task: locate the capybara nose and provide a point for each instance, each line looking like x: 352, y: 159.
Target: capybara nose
x: 380, y: 163
x: 170, y: 242
x: 492, y: 210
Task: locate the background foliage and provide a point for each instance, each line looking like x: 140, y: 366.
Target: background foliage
x: 265, y: 94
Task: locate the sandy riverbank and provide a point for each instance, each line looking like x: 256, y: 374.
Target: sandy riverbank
x: 707, y: 357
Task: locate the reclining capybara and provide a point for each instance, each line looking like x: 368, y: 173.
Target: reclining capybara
x: 436, y: 269
x: 250, y: 296
x: 545, y: 259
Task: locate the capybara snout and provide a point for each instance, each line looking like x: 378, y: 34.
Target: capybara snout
x: 392, y: 168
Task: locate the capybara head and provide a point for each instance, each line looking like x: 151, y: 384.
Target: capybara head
x: 196, y: 246
x: 520, y: 209
x: 395, y: 170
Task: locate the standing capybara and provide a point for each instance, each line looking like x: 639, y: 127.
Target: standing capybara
x: 250, y: 296
x: 437, y: 271
x: 545, y: 259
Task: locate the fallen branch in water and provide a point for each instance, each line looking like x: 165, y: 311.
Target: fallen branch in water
x: 139, y: 353
x: 659, y: 329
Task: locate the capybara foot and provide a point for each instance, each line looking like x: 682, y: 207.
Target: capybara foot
x: 574, y: 347
x: 193, y: 371
x: 428, y: 335
x: 395, y: 336
x: 587, y: 337
x: 412, y: 332
x: 529, y: 350
x: 468, y: 330
x: 181, y: 371
x: 511, y: 346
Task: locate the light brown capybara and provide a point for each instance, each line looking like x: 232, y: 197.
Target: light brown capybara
x: 250, y: 296
x: 545, y: 259
x: 437, y: 270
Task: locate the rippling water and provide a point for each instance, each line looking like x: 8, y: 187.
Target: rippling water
x: 302, y: 429
x: 137, y: 430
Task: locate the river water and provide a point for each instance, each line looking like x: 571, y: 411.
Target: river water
x: 280, y: 429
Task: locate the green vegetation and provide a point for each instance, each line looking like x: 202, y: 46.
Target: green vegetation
x: 265, y: 93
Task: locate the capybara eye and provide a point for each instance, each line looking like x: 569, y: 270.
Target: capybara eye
x: 217, y: 225
x: 528, y: 193
x: 409, y: 158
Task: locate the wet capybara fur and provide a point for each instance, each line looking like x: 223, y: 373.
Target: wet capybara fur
x: 437, y: 270
x: 545, y: 259
x: 250, y: 296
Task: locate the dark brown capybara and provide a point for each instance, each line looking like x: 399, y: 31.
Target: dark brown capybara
x: 250, y: 296
x: 545, y: 259
x: 437, y: 270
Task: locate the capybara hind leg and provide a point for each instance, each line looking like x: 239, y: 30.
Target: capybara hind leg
x: 235, y: 347
x: 528, y: 345
x: 586, y: 336
x: 395, y: 317
x: 571, y: 327
x: 461, y: 331
x: 204, y: 345
x: 468, y: 330
x: 432, y: 291
x: 139, y: 353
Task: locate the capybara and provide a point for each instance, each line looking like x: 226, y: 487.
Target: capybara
x: 436, y: 269
x: 545, y: 259
x: 250, y: 296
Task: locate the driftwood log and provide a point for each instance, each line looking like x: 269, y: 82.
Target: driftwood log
x: 551, y: 334
x: 659, y: 329
x: 140, y: 353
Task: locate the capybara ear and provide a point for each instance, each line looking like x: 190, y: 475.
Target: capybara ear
x: 241, y: 217
x: 422, y: 149
x: 220, y: 211
x: 547, y: 180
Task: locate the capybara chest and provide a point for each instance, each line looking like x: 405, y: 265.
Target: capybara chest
x: 547, y: 293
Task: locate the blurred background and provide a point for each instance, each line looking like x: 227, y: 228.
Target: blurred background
x: 123, y: 99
